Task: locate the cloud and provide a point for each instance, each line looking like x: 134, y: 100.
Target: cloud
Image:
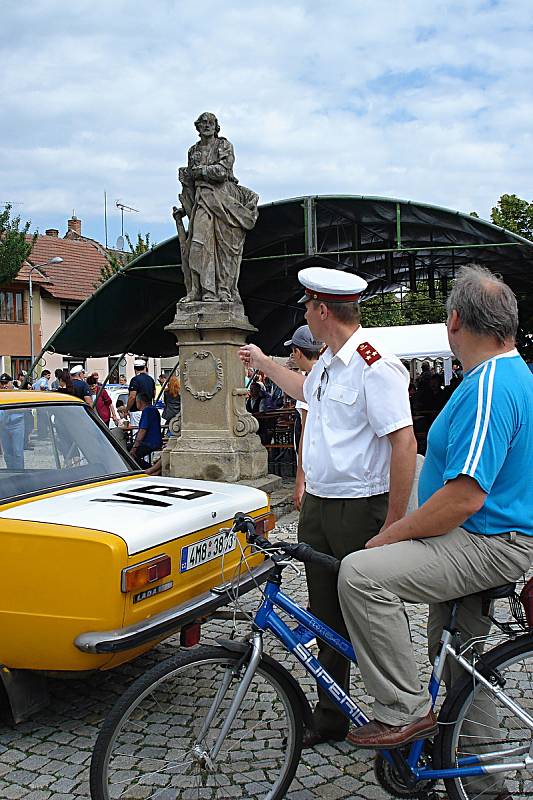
x: 426, y: 101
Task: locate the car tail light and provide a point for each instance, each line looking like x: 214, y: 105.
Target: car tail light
x: 145, y: 573
x: 190, y: 634
x: 265, y: 524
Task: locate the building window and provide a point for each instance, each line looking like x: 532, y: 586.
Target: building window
x: 11, y: 306
x: 19, y: 364
x: 66, y: 310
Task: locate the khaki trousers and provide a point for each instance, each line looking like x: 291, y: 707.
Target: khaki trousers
x: 336, y: 527
x: 374, y: 584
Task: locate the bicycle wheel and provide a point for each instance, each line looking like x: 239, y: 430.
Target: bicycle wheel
x: 157, y: 742
x: 477, y: 723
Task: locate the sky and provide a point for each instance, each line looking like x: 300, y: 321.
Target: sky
x: 426, y: 101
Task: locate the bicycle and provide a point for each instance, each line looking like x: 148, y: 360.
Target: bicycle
x: 226, y: 721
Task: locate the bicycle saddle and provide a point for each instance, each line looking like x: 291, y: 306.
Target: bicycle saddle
x: 497, y: 592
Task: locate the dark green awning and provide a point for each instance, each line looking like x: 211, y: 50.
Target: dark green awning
x: 389, y: 242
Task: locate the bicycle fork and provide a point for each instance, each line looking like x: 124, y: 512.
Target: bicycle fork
x: 253, y: 657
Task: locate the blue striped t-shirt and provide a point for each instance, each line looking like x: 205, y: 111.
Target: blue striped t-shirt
x: 486, y: 431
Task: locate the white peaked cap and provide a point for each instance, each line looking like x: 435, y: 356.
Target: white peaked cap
x: 335, y: 285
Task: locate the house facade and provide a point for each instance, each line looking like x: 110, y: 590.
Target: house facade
x: 57, y: 290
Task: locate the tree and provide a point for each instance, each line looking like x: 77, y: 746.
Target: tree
x: 117, y: 260
x: 514, y: 214
x: 14, y: 247
x: 414, y: 308
x: 381, y: 311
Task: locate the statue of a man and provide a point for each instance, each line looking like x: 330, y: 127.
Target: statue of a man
x: 220, y: 211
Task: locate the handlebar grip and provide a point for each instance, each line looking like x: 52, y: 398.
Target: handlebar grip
x: 308, y: 555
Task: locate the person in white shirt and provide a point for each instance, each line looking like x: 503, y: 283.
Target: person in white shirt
x: 359, y: 452
x: 305, y: 350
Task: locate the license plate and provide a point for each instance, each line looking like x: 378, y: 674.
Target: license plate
x: 207, y: 549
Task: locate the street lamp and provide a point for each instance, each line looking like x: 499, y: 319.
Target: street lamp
x: 54, y: 260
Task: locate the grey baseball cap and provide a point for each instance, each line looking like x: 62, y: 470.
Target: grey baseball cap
x: 303, y: 338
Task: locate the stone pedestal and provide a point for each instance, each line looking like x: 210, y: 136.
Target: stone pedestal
x: 218, y: 439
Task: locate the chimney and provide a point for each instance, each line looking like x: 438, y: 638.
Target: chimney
x: 74, y: 225
x: 52, y: 232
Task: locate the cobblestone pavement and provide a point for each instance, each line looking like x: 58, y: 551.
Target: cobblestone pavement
x: 47, y: 758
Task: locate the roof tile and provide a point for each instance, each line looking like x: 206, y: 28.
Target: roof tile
x: 76, y: 277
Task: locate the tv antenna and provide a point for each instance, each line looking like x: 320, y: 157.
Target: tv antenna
x: 123, y: 207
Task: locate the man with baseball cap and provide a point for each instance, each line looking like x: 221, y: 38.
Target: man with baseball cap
x: 305, y: 350
x: 80, y: 386
x: 359, y: 451
x: 141, y: 383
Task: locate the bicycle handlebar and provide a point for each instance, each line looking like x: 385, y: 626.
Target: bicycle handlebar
x: 300, y: 552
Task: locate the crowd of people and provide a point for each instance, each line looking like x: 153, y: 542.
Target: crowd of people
x: 138, y: 421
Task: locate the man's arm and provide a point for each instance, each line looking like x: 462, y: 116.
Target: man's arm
x: 141, y: 433
x: 88, y: 399
x: 131, y: 399
x: 291, y: 382
x: 444, y: 511
x: 299, y: 486
x: 402, y: 472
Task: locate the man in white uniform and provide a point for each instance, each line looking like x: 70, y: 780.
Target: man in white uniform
x: 359, y: 451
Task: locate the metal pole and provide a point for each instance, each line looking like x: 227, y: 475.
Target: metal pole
x: 105, y: 217
x: 30, y: 287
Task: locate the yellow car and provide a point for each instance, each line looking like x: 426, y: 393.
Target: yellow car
x: 99, y: 560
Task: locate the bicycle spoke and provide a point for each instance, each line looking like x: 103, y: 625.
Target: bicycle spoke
x: 483, y: 726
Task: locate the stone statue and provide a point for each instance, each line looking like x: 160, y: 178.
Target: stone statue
x: 220, y: 211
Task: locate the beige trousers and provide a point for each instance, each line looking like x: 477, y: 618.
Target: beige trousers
x: 374, y: 584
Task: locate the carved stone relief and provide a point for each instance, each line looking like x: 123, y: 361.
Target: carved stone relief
x: 203, y: 375
x: 245, y: 422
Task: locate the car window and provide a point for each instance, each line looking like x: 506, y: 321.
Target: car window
x: 53, y: 445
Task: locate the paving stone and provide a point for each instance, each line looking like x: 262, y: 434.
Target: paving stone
x: 33, y: 763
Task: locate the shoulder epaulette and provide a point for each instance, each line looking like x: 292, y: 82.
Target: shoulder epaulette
x: 368, y: 353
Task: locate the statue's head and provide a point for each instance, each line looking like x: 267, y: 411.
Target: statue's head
x: 206, y: 122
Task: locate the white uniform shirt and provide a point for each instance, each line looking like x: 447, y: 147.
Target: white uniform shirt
x: 353, y: 405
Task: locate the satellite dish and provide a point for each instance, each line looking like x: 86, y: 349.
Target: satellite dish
x: 120, y: 243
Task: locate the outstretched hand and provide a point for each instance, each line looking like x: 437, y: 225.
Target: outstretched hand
x: 252, y: 356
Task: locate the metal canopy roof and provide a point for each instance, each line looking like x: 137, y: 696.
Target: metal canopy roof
x: 389, y: 242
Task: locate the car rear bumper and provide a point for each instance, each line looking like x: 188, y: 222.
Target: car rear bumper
x: 168, y: 622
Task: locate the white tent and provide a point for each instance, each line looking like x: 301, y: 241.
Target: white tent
x: 414, y: 341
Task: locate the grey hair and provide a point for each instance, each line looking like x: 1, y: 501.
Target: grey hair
x: 485, y: 304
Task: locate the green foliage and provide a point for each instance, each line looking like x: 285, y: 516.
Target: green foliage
x: 116, y: 260
x: 514, y: 214
x: 381, y: 311
x: 14, y: 247
x: 414, y: 308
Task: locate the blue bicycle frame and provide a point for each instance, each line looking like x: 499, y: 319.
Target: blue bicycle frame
x: 266, y: 619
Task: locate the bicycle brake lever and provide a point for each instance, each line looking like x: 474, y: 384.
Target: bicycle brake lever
x: 290, y: 564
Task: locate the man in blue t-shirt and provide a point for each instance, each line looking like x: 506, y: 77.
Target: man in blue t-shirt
x: 141, y: 382
x: 148, y: 437
x: 473, y: 529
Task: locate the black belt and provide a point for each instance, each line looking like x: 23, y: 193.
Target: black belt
x: 507, y: 537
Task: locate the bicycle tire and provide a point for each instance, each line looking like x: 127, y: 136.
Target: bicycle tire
x: 473, y: 721
x: 145, y: 748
